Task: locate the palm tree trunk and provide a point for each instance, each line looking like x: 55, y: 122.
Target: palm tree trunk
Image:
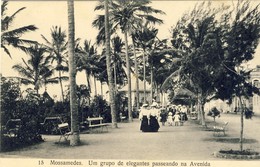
x: 151, y: 82
x: 130, y: 117
x: 115, y: 76
x: 109, y: 70
x: 137, y: 79
x: 203, y: 122
x: 88, y: 82
x: 75, y: 140
x: 198, y: 108
x: 0, y: 128
x: 201, y: 103
x: 95, y: 85
x: 101, y: 88
x: 61, y: 87
x: 201, y: 114
x: 242, y: 123
x: 144, y: 76
x: 161, y: 98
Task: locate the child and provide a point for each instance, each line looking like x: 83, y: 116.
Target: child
x: 169, y: 119
x: 176, y: 119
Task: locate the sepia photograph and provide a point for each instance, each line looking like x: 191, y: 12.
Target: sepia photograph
x: 136, y: 83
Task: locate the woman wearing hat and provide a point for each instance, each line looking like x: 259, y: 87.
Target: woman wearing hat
x: 144, y: 116
x: 154, y: 125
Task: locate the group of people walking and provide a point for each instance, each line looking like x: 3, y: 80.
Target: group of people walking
x: 150, y: 117
x: 177, y: 115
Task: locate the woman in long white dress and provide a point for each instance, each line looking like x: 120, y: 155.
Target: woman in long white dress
x: 154, y: 124
x: 144, y: 116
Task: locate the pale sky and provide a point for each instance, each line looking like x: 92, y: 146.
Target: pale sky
x: 44, y: 15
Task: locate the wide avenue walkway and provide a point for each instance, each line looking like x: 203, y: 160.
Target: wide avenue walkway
x: 188, y: 142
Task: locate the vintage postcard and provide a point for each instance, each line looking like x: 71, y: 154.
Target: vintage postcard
x: 149, y: 83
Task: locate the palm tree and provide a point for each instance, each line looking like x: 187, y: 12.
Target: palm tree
x: 156, y: 53
x: 197, y: 37
x: 13, y: 36
x: 75, y: 140
x: 86, y: 60
x: 118, y: 62
x: 145, y: 37
x: 136, y: 76
x: 109, y: 70
x: 125, y: 15
x: 57, y: 49
x: 37, y: 71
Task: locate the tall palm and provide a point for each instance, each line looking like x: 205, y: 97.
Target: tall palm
x: 75, y: 140
x: 145, y: 38
x: 125, y: 15
x: 197, y: 36
x: 57, y: 48
x: 37, y: 70
x: 137, y: 97
x: 12, y: 37
x: 118, y: 62
x: 86, y: 60
x: 155, y: 55
x: 154, y: 51
x: 100, y: 73
x: 109, y: 70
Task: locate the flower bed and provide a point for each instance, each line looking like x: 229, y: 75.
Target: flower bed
x: 237, y: 154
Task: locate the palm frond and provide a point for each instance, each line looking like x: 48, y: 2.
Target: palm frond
x: 23, y: 71
x: 64, y: 78
x: 3, y: 8
x: 149, y: 9
x: 174, y: 76
x: 17, y: 42
x: 46, y: 41
x: 151, y: 19
x: 100, y: 6
x: 12, y: 17
x: 27, y: 81
x: 6, y: 50
x: 19, y: 31
x: 51, y: 81
x: 99, y: 21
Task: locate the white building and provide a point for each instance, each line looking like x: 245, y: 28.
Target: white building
x: 252, y: 103
x: 255, y: 79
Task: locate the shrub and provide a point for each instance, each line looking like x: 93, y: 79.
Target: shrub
x: 248, y: 113
x: 26, y: 108
x: 99, y: 107
x: 214, y: 112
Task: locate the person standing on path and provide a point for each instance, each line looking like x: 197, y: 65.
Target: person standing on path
x: 144, y: 117
x: 154, y: 125
x: 170, y: 119
x: 163, y: 116
x: 176, y: 118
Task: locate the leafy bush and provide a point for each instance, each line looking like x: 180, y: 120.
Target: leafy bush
x: 248, y: 113
x: 26, y: 108
x: 214, y: 112
x: 121, y: 104
x: 99, y: 107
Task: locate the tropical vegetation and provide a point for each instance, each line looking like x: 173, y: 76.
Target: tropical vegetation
x: 201, y: 61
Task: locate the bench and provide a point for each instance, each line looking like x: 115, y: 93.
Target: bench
x: 64, y: 131
x: 96, y: 122
x: 220, y: 129
x: 122, y: 117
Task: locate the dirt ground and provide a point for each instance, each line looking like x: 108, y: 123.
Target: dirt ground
x: 187, y: 142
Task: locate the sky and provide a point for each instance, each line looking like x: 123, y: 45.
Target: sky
x: 46, y: 14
